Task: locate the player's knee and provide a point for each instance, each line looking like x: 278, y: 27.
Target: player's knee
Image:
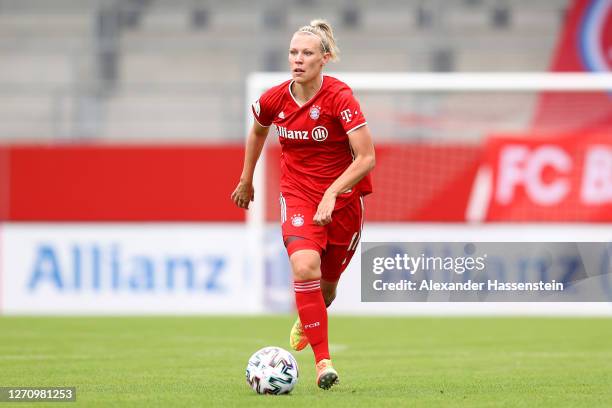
x: 304, y: 269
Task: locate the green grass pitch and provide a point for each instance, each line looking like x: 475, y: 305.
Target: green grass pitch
x: 422, y: 362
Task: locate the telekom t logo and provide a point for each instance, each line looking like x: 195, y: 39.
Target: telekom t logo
x: 346, y: 115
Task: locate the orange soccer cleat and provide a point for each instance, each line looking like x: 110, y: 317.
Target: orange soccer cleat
x: 326, y: 375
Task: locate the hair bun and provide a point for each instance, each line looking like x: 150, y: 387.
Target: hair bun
x: 324, y: 31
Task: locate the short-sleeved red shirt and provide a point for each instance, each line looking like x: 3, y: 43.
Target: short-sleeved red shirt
x: 314, y: 138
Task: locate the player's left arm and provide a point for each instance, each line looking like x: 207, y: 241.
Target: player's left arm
x: 360, y: 140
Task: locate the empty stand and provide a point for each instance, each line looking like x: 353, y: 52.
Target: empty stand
x: 175, y: 70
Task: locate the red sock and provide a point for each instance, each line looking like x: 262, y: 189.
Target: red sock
x: 313, y: 315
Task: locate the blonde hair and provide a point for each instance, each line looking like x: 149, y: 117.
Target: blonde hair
x: 323, y: 30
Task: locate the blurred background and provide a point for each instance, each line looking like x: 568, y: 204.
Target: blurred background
x: 157, y: 70
x: 149, y: 70
x: 122, y: 125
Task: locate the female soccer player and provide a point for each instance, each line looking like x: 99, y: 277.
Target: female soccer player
x: 327, y: 153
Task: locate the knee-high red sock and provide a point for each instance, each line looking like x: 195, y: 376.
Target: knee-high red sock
x: 313, y: 315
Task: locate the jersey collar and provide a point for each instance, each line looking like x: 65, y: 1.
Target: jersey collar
x: 308, y: 101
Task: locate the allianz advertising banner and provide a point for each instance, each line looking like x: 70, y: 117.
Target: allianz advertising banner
x: 125, y: 269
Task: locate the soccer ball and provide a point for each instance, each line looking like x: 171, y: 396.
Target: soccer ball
x: 272, y: 370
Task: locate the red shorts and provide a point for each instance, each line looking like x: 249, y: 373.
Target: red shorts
x: 336, y: 242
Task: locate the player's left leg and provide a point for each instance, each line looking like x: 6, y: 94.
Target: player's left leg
x: 343, y: 235
x: 328, y: 289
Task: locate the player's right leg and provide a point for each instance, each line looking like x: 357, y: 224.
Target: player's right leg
x: 300, y: 233
x: 297, y: 338
x: 343, y: 238
x: 327, y: 376
x: 306, y: 267
x: 305, y: 242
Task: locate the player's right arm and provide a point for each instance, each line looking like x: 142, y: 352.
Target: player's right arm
x: 244, y: 192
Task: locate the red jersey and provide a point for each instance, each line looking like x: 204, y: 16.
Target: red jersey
x: 315, y: 148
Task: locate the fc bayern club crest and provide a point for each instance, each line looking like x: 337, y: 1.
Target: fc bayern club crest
x: 297, y: 220
x: 595, y: 37
x: 315, y: 112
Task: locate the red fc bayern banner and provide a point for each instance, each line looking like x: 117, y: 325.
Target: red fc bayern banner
x: 564, y: 179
